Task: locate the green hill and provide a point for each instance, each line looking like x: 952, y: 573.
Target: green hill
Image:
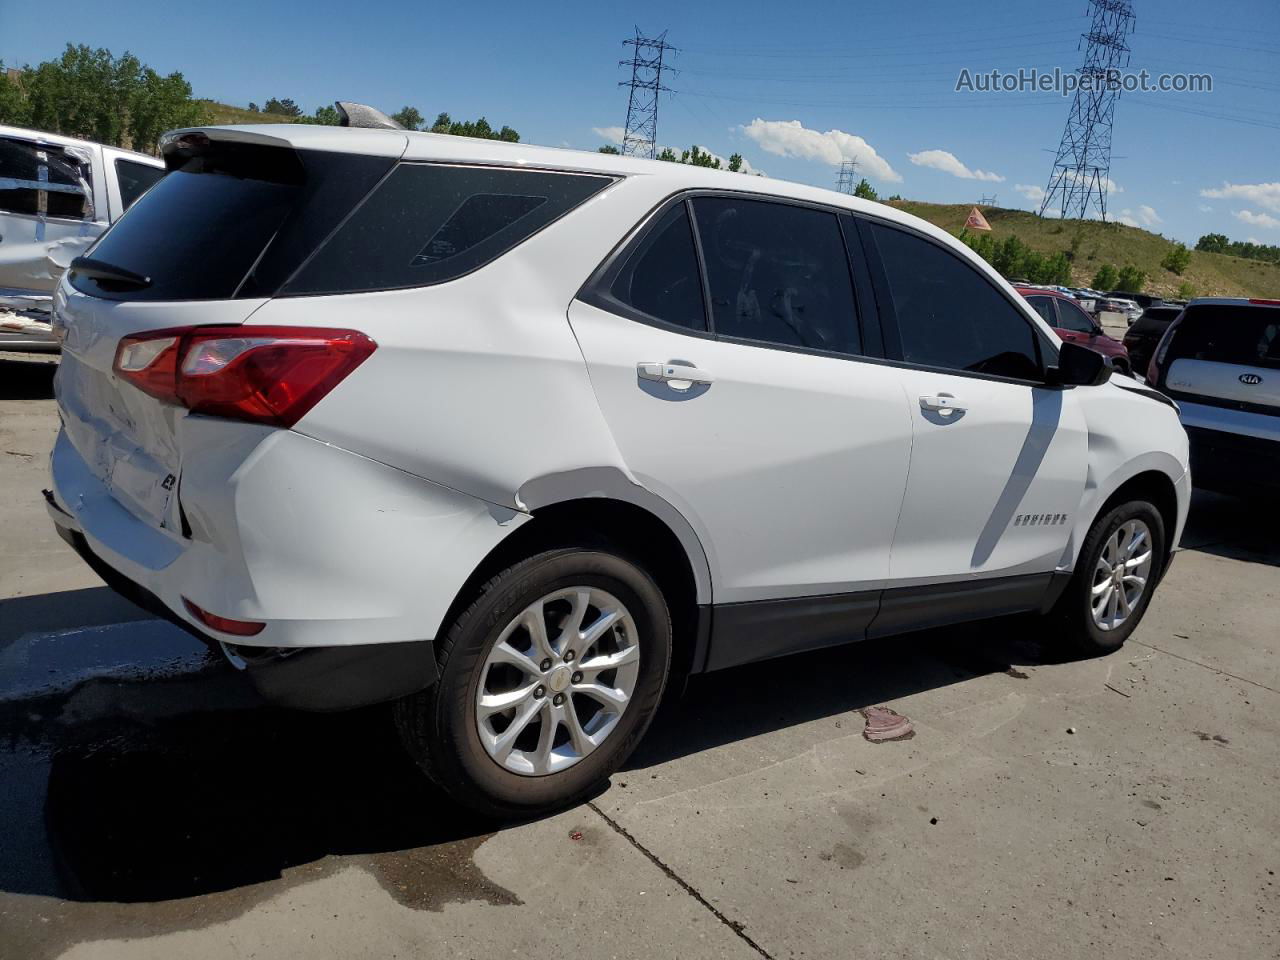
x: 223, y: 114
x: 1210, y: 274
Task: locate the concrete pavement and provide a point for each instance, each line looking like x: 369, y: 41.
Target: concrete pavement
x: 1119, y: 807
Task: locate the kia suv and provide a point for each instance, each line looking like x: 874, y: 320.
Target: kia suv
x: 516, y: 438
x: 1220, y: 360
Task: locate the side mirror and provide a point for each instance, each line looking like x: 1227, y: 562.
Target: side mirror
x: 1079, y: 366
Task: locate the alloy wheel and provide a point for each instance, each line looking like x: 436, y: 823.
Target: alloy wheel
x: 557, y: 680
x: 1121, y: 574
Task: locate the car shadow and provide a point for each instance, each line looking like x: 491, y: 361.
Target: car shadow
x: 1240, y: 529
x: 27, y: 379
x: 730, y: 705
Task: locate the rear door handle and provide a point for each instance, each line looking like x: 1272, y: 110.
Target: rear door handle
x: 678, y: 376
x: 943, y: 403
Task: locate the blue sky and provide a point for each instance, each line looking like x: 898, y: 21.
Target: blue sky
x: 793, y: 87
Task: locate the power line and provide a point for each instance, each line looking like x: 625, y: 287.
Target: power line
x: 640, y: 136
x: 1081, y: 174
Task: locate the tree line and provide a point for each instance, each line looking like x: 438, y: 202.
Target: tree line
x: 1219, y: 243
x: 120, y: 101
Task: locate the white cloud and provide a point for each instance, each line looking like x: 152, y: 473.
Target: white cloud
x: 612, y: 134
x: 1257, y: 219
x: 1144, y: 216
x: 950, y: 163
x: 1263, y: 194
x: 1030, y: 191
x: 1205, y: 208
x: 788, y: 138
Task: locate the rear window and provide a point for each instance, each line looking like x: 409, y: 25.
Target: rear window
x: 429, y: 223
x: 231, y: 219
x: 41, y: 179
x: 135, y: 179
x: 1229, y: 334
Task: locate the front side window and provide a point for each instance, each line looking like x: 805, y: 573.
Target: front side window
x: 429, y: 223
x: 660, y: 278
x: 1071, y: 317
x: 777, y: 274
x: 949, y: 315
x: 135, y: 179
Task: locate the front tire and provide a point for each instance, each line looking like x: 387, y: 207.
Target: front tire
x: 548, y: 680
x: 1119, y: 565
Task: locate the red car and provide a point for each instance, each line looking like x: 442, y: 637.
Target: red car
x: 1070, y: 322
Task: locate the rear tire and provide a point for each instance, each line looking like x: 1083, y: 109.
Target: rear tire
x: 494, y: 653
x: 1111, y: 587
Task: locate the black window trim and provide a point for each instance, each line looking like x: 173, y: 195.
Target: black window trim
x: 283, y: 293
x: 595, y: 291
x: 1045, y: 351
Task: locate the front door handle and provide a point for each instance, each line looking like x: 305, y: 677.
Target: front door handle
x: 943, y: 403
x: 678, y: 376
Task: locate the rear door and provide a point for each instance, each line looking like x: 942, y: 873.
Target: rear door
x: 208, y: 245
x: 999, y: 459
x: 741, y: 398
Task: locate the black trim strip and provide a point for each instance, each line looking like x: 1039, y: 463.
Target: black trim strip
x: 763, y: 629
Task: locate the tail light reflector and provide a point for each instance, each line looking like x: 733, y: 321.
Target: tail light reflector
x: 238, y: 628
x: 269, y: 375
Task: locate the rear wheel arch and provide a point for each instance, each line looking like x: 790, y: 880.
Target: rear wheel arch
x: 620, y: 526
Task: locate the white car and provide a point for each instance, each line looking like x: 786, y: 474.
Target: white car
x: 514, y: 436
x: 57, y: 195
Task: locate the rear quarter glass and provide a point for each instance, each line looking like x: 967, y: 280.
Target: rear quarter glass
x: 232, y: 220
x: 428, y: 223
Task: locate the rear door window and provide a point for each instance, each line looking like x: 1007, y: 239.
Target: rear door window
x: 135, y: 179
x: 950, y: 316
x: 44, y: 180
x: 778, y: 274
x: 429, y: 223
x: 1044, y: 307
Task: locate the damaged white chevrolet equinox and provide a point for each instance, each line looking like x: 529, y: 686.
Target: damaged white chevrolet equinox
x: 512, y: 436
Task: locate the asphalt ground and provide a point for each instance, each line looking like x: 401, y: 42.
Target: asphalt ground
x: 1043, y: 807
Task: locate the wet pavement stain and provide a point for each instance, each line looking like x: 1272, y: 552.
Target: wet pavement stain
x: 127, y: 817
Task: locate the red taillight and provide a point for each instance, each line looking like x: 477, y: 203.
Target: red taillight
x: 238, y: 628
x: 270, y: 375
x: 1162, y: 348
x: 1257, y: 301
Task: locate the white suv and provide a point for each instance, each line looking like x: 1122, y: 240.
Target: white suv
x: 512, y: 435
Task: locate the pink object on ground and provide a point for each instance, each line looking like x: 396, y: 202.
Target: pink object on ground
x: 885, y: 724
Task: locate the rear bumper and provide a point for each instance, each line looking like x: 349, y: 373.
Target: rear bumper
x: 322, y: 679
x: 350, y: 564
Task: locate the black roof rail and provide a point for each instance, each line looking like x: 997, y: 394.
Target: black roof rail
x: 361, y: 115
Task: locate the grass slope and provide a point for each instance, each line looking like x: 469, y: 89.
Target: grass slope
x: 1211, y: 274
x: 223, y: 114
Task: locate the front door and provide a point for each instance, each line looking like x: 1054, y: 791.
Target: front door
x: 999, y: 459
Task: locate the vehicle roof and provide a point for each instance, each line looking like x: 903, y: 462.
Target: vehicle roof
x: 1027, y: 291
x: 1233, y: 302
x: 62, y: 140
x: 421, y: 145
